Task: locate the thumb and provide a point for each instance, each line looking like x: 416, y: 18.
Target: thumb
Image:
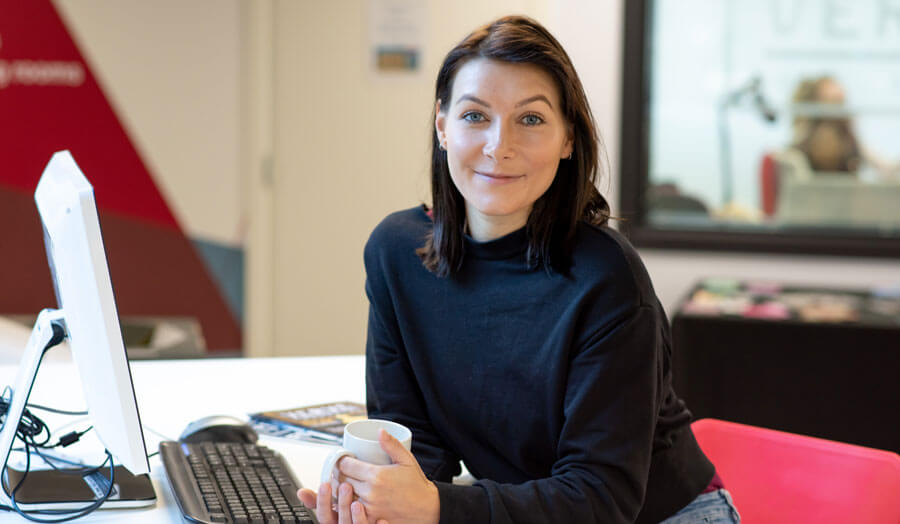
x: 394, y: 449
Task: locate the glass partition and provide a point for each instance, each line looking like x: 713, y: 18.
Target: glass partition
x: 763, y: 125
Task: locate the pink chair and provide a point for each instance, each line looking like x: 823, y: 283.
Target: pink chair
x: 777, y: 477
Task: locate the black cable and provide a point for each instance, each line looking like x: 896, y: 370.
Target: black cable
x: 31, y: 427
x: 58, y: 411
x: 80, y: 467
x: 68, y: 439
x: 80, y: 470
x: 68, y: 514
x: 29, y: 430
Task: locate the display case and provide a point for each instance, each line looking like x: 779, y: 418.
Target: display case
x: 815, y: 361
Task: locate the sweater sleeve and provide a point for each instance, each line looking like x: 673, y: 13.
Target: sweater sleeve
x: 603, y: 455
x: 392, y: 391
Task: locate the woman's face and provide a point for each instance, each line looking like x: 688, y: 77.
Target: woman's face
x: 830, y: 92
x: 505, y: 134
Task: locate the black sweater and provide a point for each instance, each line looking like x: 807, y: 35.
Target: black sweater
x: 554, y: 390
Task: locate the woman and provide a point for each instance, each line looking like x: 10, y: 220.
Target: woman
x: 510, y: 328
x: 828, y: 141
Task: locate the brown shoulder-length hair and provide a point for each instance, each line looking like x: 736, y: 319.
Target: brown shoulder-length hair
x: 573, y: 195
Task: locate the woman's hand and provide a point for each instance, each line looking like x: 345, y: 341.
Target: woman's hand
x: 400, y: 492
x: 348, y: 511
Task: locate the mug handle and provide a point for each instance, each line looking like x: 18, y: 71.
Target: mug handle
x: 331, y: 463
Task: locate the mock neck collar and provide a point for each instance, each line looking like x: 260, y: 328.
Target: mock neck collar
x: 507, y: 246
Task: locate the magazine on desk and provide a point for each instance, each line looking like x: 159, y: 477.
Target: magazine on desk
x: 319, y: 423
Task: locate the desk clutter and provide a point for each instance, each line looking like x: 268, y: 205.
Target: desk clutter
x: 813, y: 361
x: 320, y: 423
x: 236, y: 480
x: 772, y: 301
x: 220, y: 473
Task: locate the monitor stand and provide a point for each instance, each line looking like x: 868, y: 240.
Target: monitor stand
x: 61, y: 489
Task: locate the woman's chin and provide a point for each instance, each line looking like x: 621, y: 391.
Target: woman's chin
x: 500, y: 210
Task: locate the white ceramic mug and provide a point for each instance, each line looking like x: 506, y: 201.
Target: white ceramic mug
x: 361, y: 442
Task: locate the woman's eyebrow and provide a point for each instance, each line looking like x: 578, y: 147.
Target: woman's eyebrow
x: 534, y: 99
x: 475, y: 99
x: 521, y: 103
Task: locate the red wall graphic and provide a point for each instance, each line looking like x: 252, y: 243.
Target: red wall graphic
x: 49, y: 101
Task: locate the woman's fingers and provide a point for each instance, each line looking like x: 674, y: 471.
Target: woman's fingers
x: 361, y: 489
x: 307, y: 497
x: 359, y: 513
x: 356, y: 469
x: 394, y: 449
x: 323, y: 506
x: 345, y: 498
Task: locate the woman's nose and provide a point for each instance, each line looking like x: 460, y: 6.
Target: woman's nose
x: 499, y: 143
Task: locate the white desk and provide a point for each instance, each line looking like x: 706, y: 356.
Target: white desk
x: 172, y: 393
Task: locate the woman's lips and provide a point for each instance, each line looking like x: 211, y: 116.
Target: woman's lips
x: 498, y: 178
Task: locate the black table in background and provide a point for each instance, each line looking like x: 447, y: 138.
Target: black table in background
x: 834, y: 380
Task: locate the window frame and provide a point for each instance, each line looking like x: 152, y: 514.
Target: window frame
x: 634, y: 177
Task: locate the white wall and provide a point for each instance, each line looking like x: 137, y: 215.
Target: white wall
x: 591, y: 32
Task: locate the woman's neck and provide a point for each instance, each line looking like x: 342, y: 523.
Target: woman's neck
x: 484, y: 228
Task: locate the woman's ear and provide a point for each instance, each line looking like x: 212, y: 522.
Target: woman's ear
x: 440, y: 121
x: 568, y: 145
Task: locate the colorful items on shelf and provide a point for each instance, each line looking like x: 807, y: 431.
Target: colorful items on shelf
x: 773, y: 301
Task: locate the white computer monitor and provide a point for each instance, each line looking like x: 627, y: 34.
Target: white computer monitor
x: 65, y: 201
x: 87, y: 308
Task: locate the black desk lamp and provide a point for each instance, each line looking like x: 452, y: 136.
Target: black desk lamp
x: 751, y: 90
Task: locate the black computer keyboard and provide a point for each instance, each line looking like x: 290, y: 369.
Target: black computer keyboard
x: 233, y: 483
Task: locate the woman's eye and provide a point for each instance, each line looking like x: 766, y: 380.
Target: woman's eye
x: 532, y: 120
x: 474, y: 117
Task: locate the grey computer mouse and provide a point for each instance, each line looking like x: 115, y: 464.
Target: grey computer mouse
x: 219, y: 428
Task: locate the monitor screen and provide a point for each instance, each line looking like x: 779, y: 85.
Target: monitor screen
x: 65, y: 201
